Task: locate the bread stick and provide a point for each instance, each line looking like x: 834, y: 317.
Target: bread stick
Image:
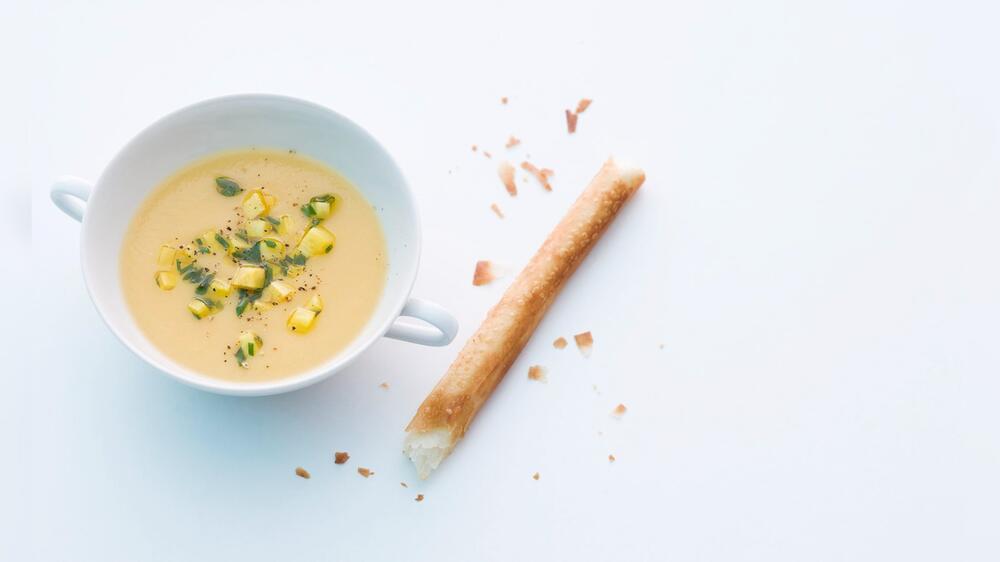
x: 445, y: 414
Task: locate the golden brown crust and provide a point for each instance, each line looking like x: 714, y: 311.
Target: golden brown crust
x: 583, y: 105
x: 489, y: 353
x: 570, y: 121
x: 506, y: 173
x: 541, y: 175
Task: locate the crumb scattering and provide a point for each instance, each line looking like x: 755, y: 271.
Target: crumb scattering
x: 484, y: 273
x: 365, y: 472
x: 619, y: 411
x: 340, y: 457
x: 384, y: 386
x: 403, y: 484
x: 536, y: 476
x: 570, y: 121
x: 496, y: 209
x: 506, y: 173
x: 512, y: 142
x: 560, y: 343
x: 542, y: 175
x: 419, y: 498
x: 503, y: 100
x: 583, y: 105
x: 611, y: 458
x: 585, y: 342
x: 537, y: 373
x: 474, y: 148
x: 302, y: 473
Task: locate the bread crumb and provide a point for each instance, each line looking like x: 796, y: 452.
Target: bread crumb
x: 537, y: 373
x: 536, y: 476
x: 570, y: 121
x: 496, y: 209
x: 340, y: 457
x: 419, y: 498
x: 403, y: 484
x: 583, y: 105
x: 541, y: 175
x: 485, y: 273
x: 585, y: 342
x: 560, y: 343
x: 611, y: 458
x: 365, y: 472
x: 487, y: 154
x: 302, y: 473
x: 384, y: 386
x: 474, y: 148
x: 512, y: 142
x: 619, y: 411
x: 506, y: 173
x: 503, y: 100
x: 661, y: 346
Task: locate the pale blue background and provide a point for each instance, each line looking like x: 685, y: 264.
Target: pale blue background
x: 815, y: 248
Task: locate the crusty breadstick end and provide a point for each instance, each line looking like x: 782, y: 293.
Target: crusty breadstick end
x: 427, y: 449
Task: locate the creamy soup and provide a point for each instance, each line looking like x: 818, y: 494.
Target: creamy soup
x: 253, y: 265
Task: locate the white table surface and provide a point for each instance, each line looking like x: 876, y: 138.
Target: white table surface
x: 815, y: 249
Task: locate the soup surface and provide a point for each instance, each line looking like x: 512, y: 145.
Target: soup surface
x: 253, y: 265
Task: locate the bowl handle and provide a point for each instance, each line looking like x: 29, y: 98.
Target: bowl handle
x: 441, y: 331
x: 70, y: 194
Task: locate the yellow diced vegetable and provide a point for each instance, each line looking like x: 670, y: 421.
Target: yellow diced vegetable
x: 236, y: 244
x: 254, y: 204
x: 250, y: 343
x: 301, y: 320
x: 199, y: 308
x: 166, y: 280
x: 165, y: 258
x: 315, y: 304
x: 295, y: 271
x: 285, y: 225
x: 184, y: 257
x: 278, y: 291
x: 248, y: 277
x: 269, y: 200
x: 258, y: 228
x: 272, y: 249
x: 316, y: 242
x: 260, y: 305
x: 208, y: 240
x: 322, y: 208
x: 219, y: 288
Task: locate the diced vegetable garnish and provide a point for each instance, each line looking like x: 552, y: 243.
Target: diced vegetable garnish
x: 316, y: 242
x: 285, y: 225
x: 210, y: 240
x: 278, y: 291
x: 272, y: 249
x: 236, y: 244
x: 183, y: 258
x: 295, y: 270
x: 258, y: 228
x: 248, y: 277
x: 301, y: 320
x: 227, y: 187
x: 166, y: 280
x: 315, y: 304
x: 165, y: 258
x: 320, y: 207
x: 250, y: 343
x: 219, y: 289
x: 269, y: 200
x: 260, y: 305
x: 200, y: 308
x: 254, y: 204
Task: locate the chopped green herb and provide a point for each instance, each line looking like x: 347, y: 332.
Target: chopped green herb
x: 251, y: 254
x: 315, y: 221
x: 270, y: 243
x: 272, y: 220
x: 204, y: 249
x: 328, y: 248
x: 242, y: 235
x: 325, y: 198
x: 250, y: 349
x: 299, y: 259
x: 240, y: 357
x: 246, y: 298
x: 227, y: 187
x: 268, y: 275
x: 202, y: 287
x: 308, y: 210
x: 222, y: 241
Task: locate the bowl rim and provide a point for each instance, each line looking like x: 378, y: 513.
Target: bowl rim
x: 285, y: 384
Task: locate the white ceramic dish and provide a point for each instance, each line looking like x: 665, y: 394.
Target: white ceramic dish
x: 242, y: 121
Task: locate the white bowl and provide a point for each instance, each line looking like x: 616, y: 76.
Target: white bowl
x: 243, y: 121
